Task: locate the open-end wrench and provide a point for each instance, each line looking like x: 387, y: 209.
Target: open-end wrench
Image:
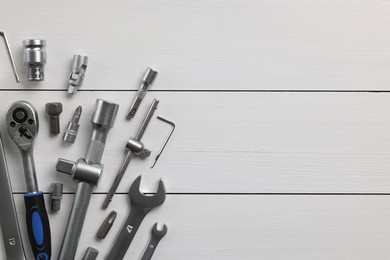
x: 22, y: 121
x: 9, y: 220
x: 157, y: 235
x: 140, y: 206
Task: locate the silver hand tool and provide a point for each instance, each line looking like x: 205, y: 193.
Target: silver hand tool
x: 157, y: 235
x: 76, y: 77
x: 87, y: 172
x: 11, y: 57
x: 146, y: 82
x: 106, y: 225
x: 166, y: 140
x: 34, y: 57
x: 73, y: 126
x: 91, y: 254
x: 134, y: 147
x: 22, y: 122
x: 140, y: 206
x: 56, y: 196
x: 8, y: 220
x: 54, y: 109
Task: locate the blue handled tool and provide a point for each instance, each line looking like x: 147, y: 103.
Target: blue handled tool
x: 22, y: 121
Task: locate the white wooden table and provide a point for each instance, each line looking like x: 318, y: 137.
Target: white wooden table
x: 282, y: 147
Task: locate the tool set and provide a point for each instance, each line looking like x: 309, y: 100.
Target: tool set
x: 22, y: 123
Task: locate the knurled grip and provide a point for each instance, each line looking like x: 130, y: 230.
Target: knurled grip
x: 94, y: 152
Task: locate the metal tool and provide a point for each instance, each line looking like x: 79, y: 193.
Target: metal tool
x: 87, y: 172
x: 54, y: 109
x: 134, y: 147
x: 11, y: 57
x: 73, y: 126
x: 56, y: 196
x: 140, y: 206
x: 166, y: 140
x: 157, y: 235
x: 146, y: 82
x: 106, y: 225
x: 91, y: 254
x: 8, y: 220
x: 34, y: 57
x: 76, y: 77
x: 22, y: 121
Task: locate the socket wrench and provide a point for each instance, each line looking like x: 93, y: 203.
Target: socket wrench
x: 22, y: 121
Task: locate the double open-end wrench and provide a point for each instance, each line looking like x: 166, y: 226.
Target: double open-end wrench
x: 140, y: 206
x: 22, y: 121
x: 87, y: 172
x: 157, y: 235
x: 8, y: 220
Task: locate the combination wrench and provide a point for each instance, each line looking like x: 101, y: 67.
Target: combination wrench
x: 157, y: 235
x: 22, y: 121
x: 140, y: 206
x: 9, y: 222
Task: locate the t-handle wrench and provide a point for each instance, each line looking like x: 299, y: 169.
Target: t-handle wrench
x: 22, y: 121
x: 87, y: 172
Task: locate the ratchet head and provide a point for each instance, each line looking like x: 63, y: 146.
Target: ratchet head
x: 159, y: 233
x: 22, y: 121
x: 138, y: 198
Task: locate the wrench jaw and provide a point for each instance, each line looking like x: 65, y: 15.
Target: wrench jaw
x: 138, y: 198
x: 159, y: 233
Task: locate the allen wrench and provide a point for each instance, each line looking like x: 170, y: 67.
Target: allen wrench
x: 11, y: 57
x: 166, y: 139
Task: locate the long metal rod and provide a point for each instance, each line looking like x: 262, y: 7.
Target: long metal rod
x: 129, y: 154
x: 9, y: 221
x: 11, y: 57
x: 166, y: 139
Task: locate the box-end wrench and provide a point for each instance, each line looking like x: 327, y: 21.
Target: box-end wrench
x: 22, y: 121
x: 157, y: 235
x: 87, y: 172
x: 140, y: 206
x: 9, y: 222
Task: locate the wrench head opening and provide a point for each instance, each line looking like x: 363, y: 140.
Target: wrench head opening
x: 159, y: 233
x: 22, y: 122
x: 138, y: 198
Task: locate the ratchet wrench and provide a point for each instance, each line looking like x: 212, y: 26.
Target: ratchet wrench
x: 22, y: 121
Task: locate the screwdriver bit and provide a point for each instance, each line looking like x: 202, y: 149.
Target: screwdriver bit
x: 56, y: 196
x: 73, y: 126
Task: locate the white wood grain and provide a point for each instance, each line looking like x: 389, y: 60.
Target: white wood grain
x: 213, y: 44
x: 229, y: 142
x: 244, y: 227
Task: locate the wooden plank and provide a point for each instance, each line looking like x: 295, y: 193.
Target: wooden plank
x: 244, y: 227
x: 236, y: 45
x: 229, y: 142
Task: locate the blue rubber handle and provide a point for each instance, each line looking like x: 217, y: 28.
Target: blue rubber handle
x: 38, y: 225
